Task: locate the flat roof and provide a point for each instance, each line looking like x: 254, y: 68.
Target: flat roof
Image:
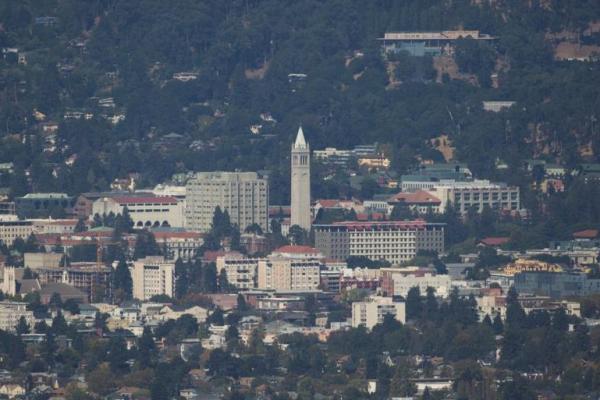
x: 415, y: 224
x: 439, y: 35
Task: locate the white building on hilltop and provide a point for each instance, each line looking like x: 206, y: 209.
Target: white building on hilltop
x: 300, y: 203
x: 476, y: 195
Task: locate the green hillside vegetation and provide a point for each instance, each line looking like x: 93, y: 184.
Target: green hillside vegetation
x: 243, y: 51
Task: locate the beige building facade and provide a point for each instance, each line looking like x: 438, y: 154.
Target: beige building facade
x: 241, y: 271
x: 291, y: 269
x: 152, y: 276
x: 373, y: 311
x: 245, y: 196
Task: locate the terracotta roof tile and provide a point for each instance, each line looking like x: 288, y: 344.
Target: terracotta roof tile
x: 495, y: 241
x: 297, y: 250
x: 420, y: 197
x: 586, y: 234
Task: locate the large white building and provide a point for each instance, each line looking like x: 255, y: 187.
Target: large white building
x: 145, y: 211
x: 398, y: 281
x: 373, y: 310
x: 241, y: 271
x: 300, y: 203
x: 152, y: 276
x: 475, y: 195
x: 10, y: 314
x: 394, y: 241
x: 291, y: 268
x: 245, y: 196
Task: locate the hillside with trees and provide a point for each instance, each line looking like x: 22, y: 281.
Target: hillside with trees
x: 115, y: 62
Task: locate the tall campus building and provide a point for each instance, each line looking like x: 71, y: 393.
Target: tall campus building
x: 301, y: 182
x: 245, y: 196
x: 394, y: 241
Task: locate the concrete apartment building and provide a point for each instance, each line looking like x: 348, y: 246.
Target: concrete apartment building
x: 373, y: 310
x: 394, y: 241
x: 398, y: 281
x: 245, y: 196
x: 241, y: 271
x: 10, y: 314
x: 152, y: 276
x: 291, y: 269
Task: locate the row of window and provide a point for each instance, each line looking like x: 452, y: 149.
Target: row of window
x: 486, y: 196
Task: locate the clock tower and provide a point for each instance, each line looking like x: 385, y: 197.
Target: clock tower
x: 301, y: 215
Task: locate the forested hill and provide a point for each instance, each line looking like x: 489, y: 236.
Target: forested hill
x: 74, y: 55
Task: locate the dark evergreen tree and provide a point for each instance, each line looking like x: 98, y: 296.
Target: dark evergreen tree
x: 414, y: 307
x: 122, y: 282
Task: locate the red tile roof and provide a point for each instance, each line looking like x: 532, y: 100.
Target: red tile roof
x: 494, y: 241
x: 145, y: 199
x: 212, y: 255
x: 178, y: 235
x: 586, y: 234
x: 297, y: 250
x: 329, y: 203
x: 418, y: 197
x: 415, y: 224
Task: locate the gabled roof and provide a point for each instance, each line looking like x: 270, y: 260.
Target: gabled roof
x: 29, y: 286
x: 63, y: 289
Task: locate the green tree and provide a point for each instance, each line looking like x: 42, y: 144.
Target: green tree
x: 122, y: 282
x: 22, y: 326
x: 298, y: 236
x: 145, y: 349
x: 182, y: 283
x: 241, y: 303
x: 414, y: 307
x: 101, y: 380
x: 145, y: 245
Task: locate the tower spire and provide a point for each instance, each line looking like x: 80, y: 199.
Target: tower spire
x: 300, y: 142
